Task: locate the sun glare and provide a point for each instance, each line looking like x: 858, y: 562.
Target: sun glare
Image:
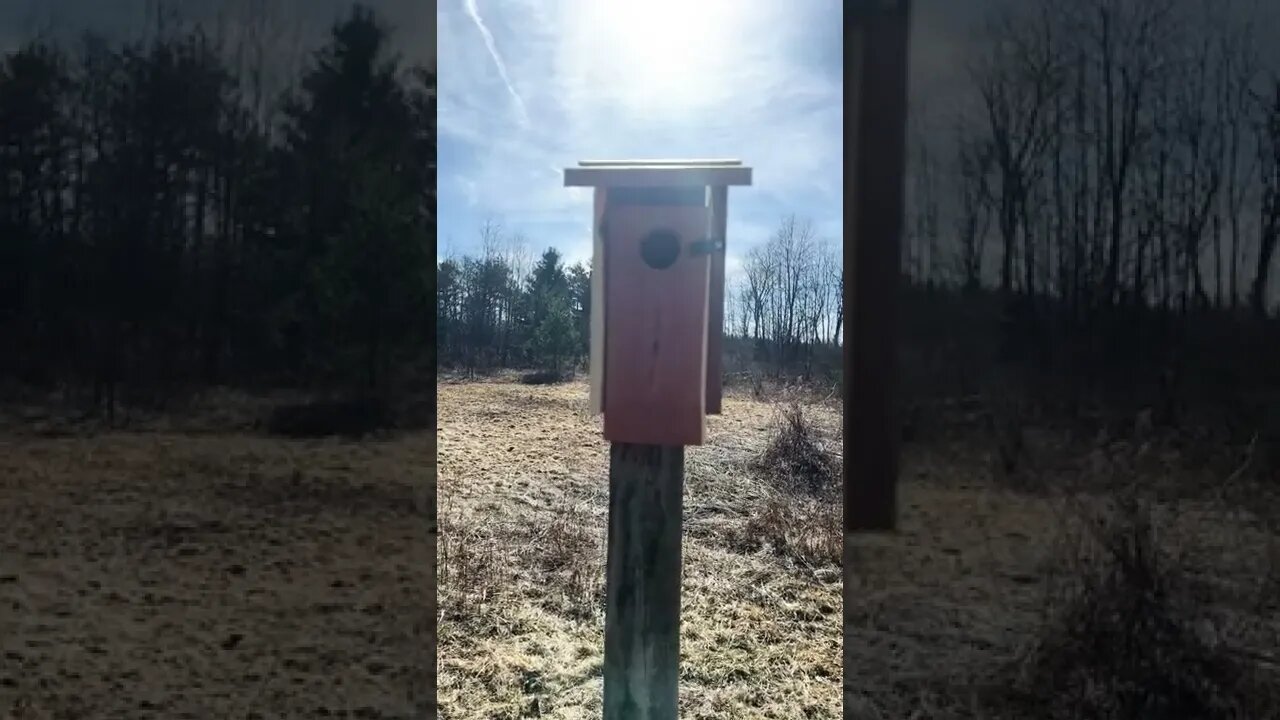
x: 657, y: 56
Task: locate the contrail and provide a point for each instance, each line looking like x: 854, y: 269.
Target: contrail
x: 474, y: 13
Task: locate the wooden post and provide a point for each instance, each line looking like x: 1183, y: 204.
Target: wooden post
x: 642, y: 586
x: 877, y: 138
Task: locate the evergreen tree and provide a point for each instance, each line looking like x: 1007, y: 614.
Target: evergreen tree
x: 554, y: 337
x: 580, y: 305
x: 161, y: 225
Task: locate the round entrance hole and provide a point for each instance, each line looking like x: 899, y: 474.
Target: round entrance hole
x: 659, y: 249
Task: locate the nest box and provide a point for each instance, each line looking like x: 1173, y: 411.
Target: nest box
x: 657, y: 294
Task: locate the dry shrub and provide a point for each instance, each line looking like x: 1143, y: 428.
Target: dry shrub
x: 350, y: 417
x: 800, y: 517
x: 806, y: 530
x: 569, y: 556
x: 1126, y: 635
x: 544, y: 377
x: 470, y: 569
x: 795, y: 462
x: 1268, y: 596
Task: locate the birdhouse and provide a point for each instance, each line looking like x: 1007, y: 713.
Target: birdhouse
x: 657, y: 295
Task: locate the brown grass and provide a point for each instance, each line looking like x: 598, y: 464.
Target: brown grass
x: 800, y: 519
x: 1131, y: 631
x: 164, y: 575
x: 524, y: 475
x: 960, y: 613
x: 806, y: 531
x: 794, y: 460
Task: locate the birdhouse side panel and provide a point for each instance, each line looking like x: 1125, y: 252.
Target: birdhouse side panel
x: 719, y: 197
x: 597, y: 330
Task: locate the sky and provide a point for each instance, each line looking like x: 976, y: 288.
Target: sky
x: 530, y: 87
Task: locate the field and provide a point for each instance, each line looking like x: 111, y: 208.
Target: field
x: 960, y: 613
x: 176, y: 571
x: 195, y: 567
x: 523, y: 492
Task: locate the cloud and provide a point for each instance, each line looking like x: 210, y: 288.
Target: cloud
x: 473, y: 11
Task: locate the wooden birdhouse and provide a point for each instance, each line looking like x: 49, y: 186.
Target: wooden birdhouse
x: 657, y: 296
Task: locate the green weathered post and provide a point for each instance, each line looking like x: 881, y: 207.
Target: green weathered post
x: 876, y: 136
x: 642, y: 582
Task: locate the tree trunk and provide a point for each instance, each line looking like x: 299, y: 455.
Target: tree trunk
x: 1258, y: 295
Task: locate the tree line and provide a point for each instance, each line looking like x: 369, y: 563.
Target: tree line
x: 1114, y: 154
x: 1101, y: 206
x: 496, y: 309
x: 788, y: 299
x: 164, y: 224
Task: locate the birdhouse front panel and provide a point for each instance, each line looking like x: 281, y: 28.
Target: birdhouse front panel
x: 657, y: 271
x: 657, y: 294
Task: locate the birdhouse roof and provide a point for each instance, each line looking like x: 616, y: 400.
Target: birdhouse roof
x: 657, y: 173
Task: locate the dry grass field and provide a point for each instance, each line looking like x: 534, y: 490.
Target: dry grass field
x: 212, y: 572
x: 523, y: 492
x: 199, y: 568
x: 999, y: 589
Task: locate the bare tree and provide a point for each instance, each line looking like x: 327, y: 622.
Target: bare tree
x: 921, y: 239
x: 1197, y: 157
x: 1018, y: 82
x: 972, y: 168
x: 817, y: 299
x: 1238, y: 73
x: 1268, y: 136
x: 1127, y: 41
x: 791, y: 253
x: 1152, y: 226
x: 790, y: 295
x: 838, y: 323
x: 757, y: 288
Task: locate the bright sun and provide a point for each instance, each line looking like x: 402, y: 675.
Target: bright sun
x: 656, y: 55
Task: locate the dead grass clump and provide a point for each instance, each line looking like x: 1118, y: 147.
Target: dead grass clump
x: 544, y: 377
x: 800, y: 517
x: 1126, y: 636
x: 795, y: 462
x: 471, y: 569
x: 351, y: 417
x: 569, y: 556
x: 808, y: 531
